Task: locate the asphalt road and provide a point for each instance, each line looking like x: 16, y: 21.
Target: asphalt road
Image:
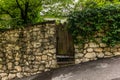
x: 103, y: 69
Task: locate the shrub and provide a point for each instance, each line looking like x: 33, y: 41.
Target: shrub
x: 84, y: 24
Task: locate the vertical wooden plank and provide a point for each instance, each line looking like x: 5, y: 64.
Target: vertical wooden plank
x: 65, y: 44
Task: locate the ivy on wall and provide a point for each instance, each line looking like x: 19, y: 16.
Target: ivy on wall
x: 84, y: 24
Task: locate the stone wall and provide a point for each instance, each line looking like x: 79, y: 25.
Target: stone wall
x: 94, y: 51
x: 24, y: 52
x: 32, y: 50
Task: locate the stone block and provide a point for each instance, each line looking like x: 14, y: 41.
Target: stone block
x: 38, y: 58
x: 89, y: 49
x: 19, y: 75
x: 38, y: 54
x: 93, y: 59
x: 77, y: 50
x: 17, y: 47
x: 52, y: 51
x: 52, y: 32
x: 93, y: 45
x: 49, y: 54
x: 54, y: 66
x: 1, y: 59
x: 11, y: 76
x: 78, y: 55
x: 4, y: 68
x: 108, y: 54
x: 98, y: 50
x: 3, y: 74
x: 16, y: 63
x: 102, y: 45
x: 18, y: 68
x: 47, y: 70
x: 84, y: 51
x: 113, y: 49
x: 36, y: 29
x: 77, y: 61
x: 116, y: 53
x: 27, y: 69
x: 10, y: 57
x: 45, y: 52
x: 47, y: 65
x: 41, y: 68
x: 90, y: 55
x: 118, y: 49
x: 10, y: 65
x: 5, y: 78
x: 44, y: 57
x: 85, y: 60
x: 17, y: 58
x: 107, y: 49
x: 52, y: 46
x: 50, y: 58
x: 86, y: 46
x: 100, y: 55
x: 54, y: 62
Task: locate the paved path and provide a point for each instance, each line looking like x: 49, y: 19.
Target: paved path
x: 103, y: 69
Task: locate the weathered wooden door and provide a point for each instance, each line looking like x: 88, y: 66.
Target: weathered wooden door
x: 65, y: 46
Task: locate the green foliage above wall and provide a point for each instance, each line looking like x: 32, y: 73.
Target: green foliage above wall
x: 17, y: 13
x: 86, y: 23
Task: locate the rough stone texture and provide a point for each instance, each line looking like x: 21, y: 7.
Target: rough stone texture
x: 32, y: 50
x: 93, y: 51
x: 100, y: 55
x: 90, y: 49
x: 90, y: 55
x: 24, y: 52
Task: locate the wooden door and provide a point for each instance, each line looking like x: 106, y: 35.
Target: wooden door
x: 65, y: 44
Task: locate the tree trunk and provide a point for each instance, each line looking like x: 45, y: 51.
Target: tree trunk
x: 24, y: 12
